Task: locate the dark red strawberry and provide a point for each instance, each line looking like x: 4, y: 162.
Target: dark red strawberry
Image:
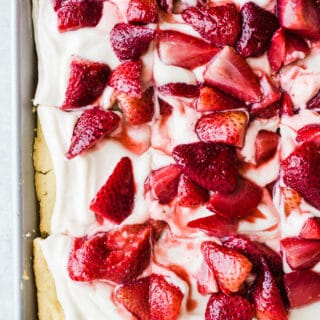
x: 310, y: 132
x: 182, y: 50
x: 287, y: 106
x: 267, y: 112
x: 233, y: 307
x: 115, y: 200
x: 266, y: 145
x: 126, y: 78
x: 229, y: 266
x: 165, y: 108
x: 299, y: 172
x: 165, y: 5
x: 158, y: 227
x: 226, y: 127
x: 191, y: 194
x: 300, y: 253
x: 229, y: 72
x: 179, y: 89
x: 92, y: 126
x: 86, y: 83
x: 311, y: 229
x: 119, y: 255
x: 213, y: 166
x: 314, y: 102
x: 302, y: 287
x: 130, y: 42
x: 142, y: 11
x: 239, y: 203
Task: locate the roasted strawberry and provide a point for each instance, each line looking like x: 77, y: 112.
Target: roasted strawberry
x: 310, y: 132
x: 233, y: 307
x: 226, y: 127
x: 126, y: 78
x: 287, y: 106
x: 179, y: 89
x: 213, y: 166
x: 299, y: 172
x: 311, y: 229
x: 239, y: 203
x: 266, y: 145
x: 142, y: 11
x: 92, y: 126
x: 300, y: 253
x: 165, y: 108
x: 229, y: 266
x: 229, y: 72
x: 182, y: 50
x: 130, y: 42
x: 115, y: 200
x: 314, y: 102
x: 86, y: 83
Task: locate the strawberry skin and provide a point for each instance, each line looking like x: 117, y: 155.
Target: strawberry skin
x: 211, y: 165
x: 311, y: 229
x: 266, y: 145
x: 310, y: 132
x: 287, y: 106
x: 92, y: 125
x: 179, y: 89
x: 142, y: 11
x: 86, y: 83
x: 115, y: 200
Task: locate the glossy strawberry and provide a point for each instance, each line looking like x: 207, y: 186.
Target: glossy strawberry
x: 311, y: 229
x: 211, y: 165
x: 179, y: 89
x: 229, y: 266
x: 314, y: 102
x: 229, y: 72
x: 310, y: 132
x: 115, y: 199
x: 266, y: 145
x: 92, y: 126
x: 86, y: 83
x: 287, y: 106
x: 233, y: 307
x: 142, y: 11
x: 182, y: 50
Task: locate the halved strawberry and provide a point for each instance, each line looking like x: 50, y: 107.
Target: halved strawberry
x: 314, y: 102
x: 142, y: 11
x: 311, y: 229
x: 213, y: 166
x: 300, y: 253
x: 229, y: 72
x: 179, y: 89
x: 227, y: 127
x: 287, y: 106
x: 291, y: 200
x: 277, y: 49
x: 302, y: 287
x: 115, y: 199
x: 266, y: 145
x: 92, y: 126
x: 127, y: 78
x: 239, y: 203
x: 182, y: 50
x: 221, y: 307
x: 310, y: 132
x: 86, y: 83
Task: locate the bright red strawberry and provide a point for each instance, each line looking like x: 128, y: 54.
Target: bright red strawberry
x: 213, y: 166
x: 311, y: 229
x: 310, y: 132
x: 182, y: 50
x: 266, y: 145
x: 239, y: 203
x: 300, y: 253
x: 226, y: 127
x: 179, y: 89
x: 229, y: 72
x: 299, y: 172
x: 126, y: 78
x: 302, y: 287
x: 115, y: 200
x: 191, y: 194
x: 258, y: 26
x: 229, y: 266
x: 119, y: 255
x: 92, y: 126
x: 130, y: 42
x: 86, y: 83
x: 142, y: 11
x: 165, y: 108
x: 165, y: 5
x: 291, y: 200
x: 233, y: 307
x: 137, y: 110
x: 300, y: 16
x: 287, y: 106
x: 314, y: 102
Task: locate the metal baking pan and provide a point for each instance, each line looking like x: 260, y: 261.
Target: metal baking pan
x: 25, y: 220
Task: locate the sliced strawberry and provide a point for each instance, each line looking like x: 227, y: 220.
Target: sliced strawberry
x: 191, y: 194
x: 239, y: 203
x: 229, y: 266
x: 86, y: 83
x: 311, y: 229
x: 266, y: 112
x: 229, y: 72
x: 206, y: 282
x: 130, y: 42
x: 227, y: 127
x: 179, y: 49
x: 115, y: 200
x: 302, y: 287
x: 310, y: 132
x: 92, y: 126
x: 296, y: 48
x: 142, y: 11
x: 300, y: 253
x: 287, y: 106
x: 258, y: 26
x: 137, y: 110
x: 165, y: 5
x: 222, y: 307
x: 126, y: 78
x: 179, y: 89
x: 213, y: 166
x: 314, y: 102
x: 266, y: 145
x: 119, y: 255
x: 165, y: 108
x: 299, y: 172
x: 291, y: 200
